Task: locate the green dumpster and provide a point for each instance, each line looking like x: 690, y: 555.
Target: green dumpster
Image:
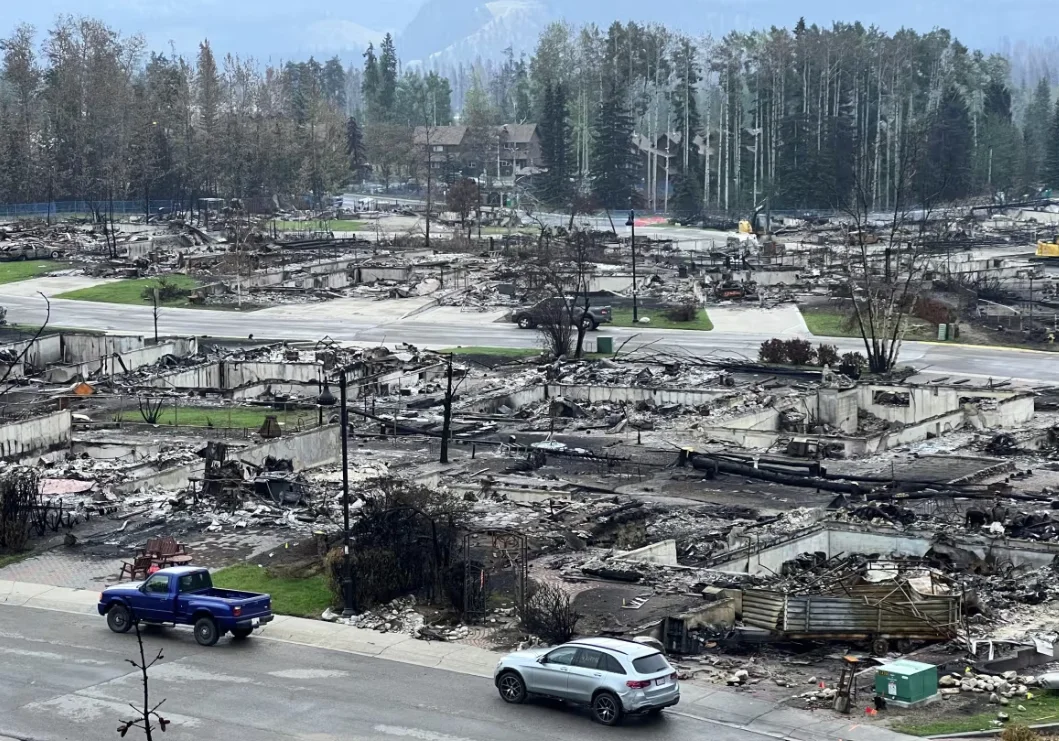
x: 605, y: 345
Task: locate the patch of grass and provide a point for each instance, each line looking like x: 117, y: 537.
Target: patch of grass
x: 237, y: 417
x: 302, y: 596
x: 7, y: 559
x: 1044, y: 706
x: 824, y: 322
x: 335, y: 225
x: 132, y: 291
x: 659, y: 320
x: 12, y: 272
x: 507, y: 352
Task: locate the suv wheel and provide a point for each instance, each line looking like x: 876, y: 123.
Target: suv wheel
x: 524, y: 322
x: 606, y: 708
x: 512, y: 688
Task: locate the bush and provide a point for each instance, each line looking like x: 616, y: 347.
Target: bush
x: 685, y: 312
x: 772, y: 351
x: 798, y: 352
x: 1019, y: 733
x: 377, y: 579
x: 827, y: 355
x: 549, y: 614
x: 852, y: 365
x: 168, y: 291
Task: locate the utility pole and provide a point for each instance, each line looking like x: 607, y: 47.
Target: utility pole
x: 631, y: 223
x: 446, y: 425
x: 428, y: 186
x: 480, y: 207
x: 155, y: 316
x: 349, y: 603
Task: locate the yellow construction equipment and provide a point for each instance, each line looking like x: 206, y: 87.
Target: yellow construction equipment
x: 1048, y: 249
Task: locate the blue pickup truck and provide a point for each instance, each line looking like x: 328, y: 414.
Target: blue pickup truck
x: 185, y: 595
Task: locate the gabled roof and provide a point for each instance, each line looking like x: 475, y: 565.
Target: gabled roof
x: 519, y: 133
x: 442, y: 136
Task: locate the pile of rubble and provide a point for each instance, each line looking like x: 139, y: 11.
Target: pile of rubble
x: 1001, y: 689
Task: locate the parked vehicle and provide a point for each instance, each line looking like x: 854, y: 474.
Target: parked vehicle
x: 18, y: 252
x: 185, y: 595
x: 539, y: 313
x: 612, y: 677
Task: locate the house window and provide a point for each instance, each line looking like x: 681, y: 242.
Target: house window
x: 439, y: 148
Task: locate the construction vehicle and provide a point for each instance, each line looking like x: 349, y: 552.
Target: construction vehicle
x: 755, y: 224
x: 1047, y: 249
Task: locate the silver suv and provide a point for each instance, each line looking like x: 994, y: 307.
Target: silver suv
x: 611, y: 676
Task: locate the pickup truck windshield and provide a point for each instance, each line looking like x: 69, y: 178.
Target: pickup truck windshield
x: 196, y: 582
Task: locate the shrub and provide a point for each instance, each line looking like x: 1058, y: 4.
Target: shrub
x: 827, y: 355
x: 377, y: 578
x: 852, y: 365
x: 1019, y: 733
x: 684, y: 312
x: 772, y: 351
x: 798, y: 352
x: 549, y: 614
x: 167, y: 291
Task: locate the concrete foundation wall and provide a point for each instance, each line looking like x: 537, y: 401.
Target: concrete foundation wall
x: 663, y: 552
x: 514, y: 400
x: 241, y: 373
x: 925, y: 402
x: 110, y: 366
x: 633, y: 394
x: 839, y: 408
x: 36, y: 435
x: 372, y: 274
x: 317, y: 447
x: 835, y: 538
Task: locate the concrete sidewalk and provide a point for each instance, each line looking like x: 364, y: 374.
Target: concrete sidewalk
x: 709, y: 703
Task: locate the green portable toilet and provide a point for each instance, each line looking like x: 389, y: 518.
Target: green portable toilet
x: 605, y: 345
x: 907, y: 683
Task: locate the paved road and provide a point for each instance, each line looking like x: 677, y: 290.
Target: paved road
x: 65, y: 676
x: 956, y: 360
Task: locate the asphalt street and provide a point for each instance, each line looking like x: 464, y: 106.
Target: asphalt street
x: 939, y: 359
x: 65, y: 676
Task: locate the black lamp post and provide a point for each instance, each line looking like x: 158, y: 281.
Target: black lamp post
x: 631, y: 223
x: 328, y: 399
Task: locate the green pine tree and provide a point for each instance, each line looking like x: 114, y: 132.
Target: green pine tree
x: 614, y: 162
x: 555, y: 189
x: 1052, y: 152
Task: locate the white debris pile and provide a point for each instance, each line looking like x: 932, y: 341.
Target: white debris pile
x: 398, y: 616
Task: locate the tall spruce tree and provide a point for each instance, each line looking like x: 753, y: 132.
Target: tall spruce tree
x: 370, y: 84
x: 555, y: 186
x: 614, y: 162
x: 387, y: 76
x: 946, y: 175
x: 1038, y: 125
x: 1051, y: 159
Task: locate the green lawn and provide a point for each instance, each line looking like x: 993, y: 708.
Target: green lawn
x: 305, y: 596
x: 510, y: 352
x: 623, y: 318
x: 335, y: 225
x: 237, y: 417
x: 131, y: 291
x: 10, y: 558
x: 12, y: 272
x: 824, y: 322
x: 1044, y: 707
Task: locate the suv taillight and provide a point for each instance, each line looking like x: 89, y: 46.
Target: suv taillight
x: 638, y: 684
x: 673, y: 676
x: 237, y: 611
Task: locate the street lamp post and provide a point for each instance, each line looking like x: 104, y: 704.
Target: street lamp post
x: 631, y: 223
x: 327, y: 399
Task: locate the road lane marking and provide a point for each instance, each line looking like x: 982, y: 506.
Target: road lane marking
x: 417, y: 733
x: 309, y: 674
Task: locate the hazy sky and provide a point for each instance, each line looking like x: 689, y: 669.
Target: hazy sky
x: 282, y: 29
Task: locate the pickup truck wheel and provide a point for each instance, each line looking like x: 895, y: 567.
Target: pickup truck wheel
x: 55, y: 254
x: 589, y: 324
x: 525, y: 322
x: 206, y: 633
x: 241, y: 633
x: 118, y: 619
